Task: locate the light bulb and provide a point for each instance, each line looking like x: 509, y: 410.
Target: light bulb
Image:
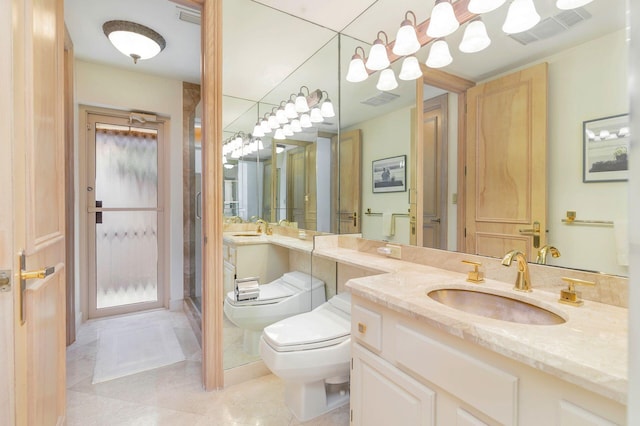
x: 327, y: 109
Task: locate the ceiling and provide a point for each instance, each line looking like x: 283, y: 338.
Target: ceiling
x: 272, y: 47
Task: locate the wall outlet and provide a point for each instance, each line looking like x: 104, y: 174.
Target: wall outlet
x: 396, y: 251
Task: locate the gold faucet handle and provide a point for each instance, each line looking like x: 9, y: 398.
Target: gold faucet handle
x: 570, y: 296
x: 474, y: 276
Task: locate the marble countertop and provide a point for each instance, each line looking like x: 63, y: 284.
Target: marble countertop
x: 243, y: 238
x: 589, y: 349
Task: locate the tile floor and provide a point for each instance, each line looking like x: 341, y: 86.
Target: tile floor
x: 170, y: 395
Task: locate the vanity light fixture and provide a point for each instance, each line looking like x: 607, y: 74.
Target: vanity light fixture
x: 265, y: 124
x: 286, y: 129
x: 301, y: 100
x: 281, y: 116
x: 357, y: 71
x: 439, y: 55
x: 571, y: 4
x: 305, y: 121
x: 326, y: 109
x: 484, y: 6
x: 443, y: 20
x: 273, y: 121
x: 406, y: 39
x: 378, y: 58
x: 521, y: 16
x: 410, y: 69
x: 295, y: 125
x: 316, y: 115
x: 475, y: 37
x: 290, y: 109
x: 279, y: 135
x: 387, y: 80
x: 134, y: 40
x: 257, y: 130
x: 259, y: 144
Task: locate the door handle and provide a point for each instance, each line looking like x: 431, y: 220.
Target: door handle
x: 98, y: 214
x: 29, y: 275
x: 436, y: 220
x: 354, y: 216
x: 535, y: 232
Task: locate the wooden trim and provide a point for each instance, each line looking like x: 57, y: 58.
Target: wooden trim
x: 69, y: 164
x: 193, y: 4
x: 444, y: 80
x: 212, y: 195
x: 462, y: 186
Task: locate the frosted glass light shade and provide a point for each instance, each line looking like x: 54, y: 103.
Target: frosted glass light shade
x: 443, y: 20
x: 134, y: 40
x: 265, y: 126
x: 387, y: 80
x: 327, y: 109
x: 316, y: 115
x: 281, y: 116
x: 286, y: 129
x: 410, y: 69
x: 571, y: 4
x: 301, y: 102
x: 439, y: 55
x: 290, y: 110
x: 378, y: 59
x: 295, y: 125
x: 406, y: 40
x: 305, y: 121
x: 257, y: 131
x: 357, y: 71
x: 484, y: 6
x: 273, y: 121
x: 475, y: 37
x: 279, y: 135
x: 521, y: 16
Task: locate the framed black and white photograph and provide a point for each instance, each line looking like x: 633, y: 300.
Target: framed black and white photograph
x: 605, y: 144
x: 390, y: 174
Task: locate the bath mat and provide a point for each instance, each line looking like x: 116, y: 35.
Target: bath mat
x: 124, y: 351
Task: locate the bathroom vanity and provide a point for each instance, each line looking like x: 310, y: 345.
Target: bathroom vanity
x: 416, y: 361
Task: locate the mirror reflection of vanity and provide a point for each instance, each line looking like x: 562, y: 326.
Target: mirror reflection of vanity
x: 387, y: 122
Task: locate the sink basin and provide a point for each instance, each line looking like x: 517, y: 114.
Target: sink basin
x: 495, y: 306
x: 247, y: 234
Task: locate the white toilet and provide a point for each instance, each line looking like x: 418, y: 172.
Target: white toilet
x: 310, y: 352
x: 293, y: 293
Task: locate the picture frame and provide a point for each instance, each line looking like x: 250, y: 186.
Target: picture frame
x: 605, y: 147
x: 389, y: 174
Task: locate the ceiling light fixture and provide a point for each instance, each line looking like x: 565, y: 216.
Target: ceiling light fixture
x: 571, y: 4
x: 521, y: 16
x: 406, y: 39
x: 439, y: 55
x: 387, y: 80
x: 357, y: 71
x: 484, y: 6
x: 134, y: 40
x: 410, y: 69
x: 378, y: 58
x: 443, y: 20
x: 475, y: 37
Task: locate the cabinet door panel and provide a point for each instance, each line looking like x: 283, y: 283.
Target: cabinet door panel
x: 572, y: 415
x: 392, y: 396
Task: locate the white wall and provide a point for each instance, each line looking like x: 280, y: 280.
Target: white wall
x: 104, y: 86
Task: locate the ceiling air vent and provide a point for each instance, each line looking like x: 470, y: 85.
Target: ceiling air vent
x: 552, y: 26
x: 380, y: 99
x: 188, y: 15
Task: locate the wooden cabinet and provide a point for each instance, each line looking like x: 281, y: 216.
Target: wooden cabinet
x: 406, y: 371
x: 265, y: 261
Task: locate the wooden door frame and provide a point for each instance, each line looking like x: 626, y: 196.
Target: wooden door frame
x: 459, y: 86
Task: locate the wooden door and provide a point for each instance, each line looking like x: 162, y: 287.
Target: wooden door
x: 346, y: 175
x: 295, y: 186
x: 32, y: 330
x: 311, y: 185
x: 506, y: 164
x: 432, y: 185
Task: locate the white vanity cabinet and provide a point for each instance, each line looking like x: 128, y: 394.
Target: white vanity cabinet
x: 265, y: 261
x: 407, y: 371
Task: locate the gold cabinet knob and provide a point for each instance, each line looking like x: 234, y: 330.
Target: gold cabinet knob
x: 362, y: 328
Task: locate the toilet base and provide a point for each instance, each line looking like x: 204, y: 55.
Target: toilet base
x: 251, y: 341
x: 309, y: 400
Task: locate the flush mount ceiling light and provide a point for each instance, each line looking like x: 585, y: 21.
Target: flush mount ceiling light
x: 357, y: 71
x: 521, y: 16
x: 475, y: 37
x: 484, y: 6
x: 134, y: 40
x: 443, y: 20
x: 406, y: 39
x: 378, y: 58
x: 571, y: 4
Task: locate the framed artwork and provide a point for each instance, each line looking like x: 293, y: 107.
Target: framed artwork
x: 605, y: 147
x: 390, y: 174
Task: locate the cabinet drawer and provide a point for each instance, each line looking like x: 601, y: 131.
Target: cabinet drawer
x: 366, y: 326
x: 459, y: 374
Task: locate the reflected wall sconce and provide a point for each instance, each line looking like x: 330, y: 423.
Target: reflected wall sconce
x: 410, y: 69
x: 475, y: 37
x: 316, y: 115
x: 387, y: 80
x: 326, y: 109
x: 295, y: 125
x: 378, y: 58
x: 439, y: 55
x: 301, y: 100
x: 281, y: 116
x: 443, y: 20
x: 484, y: 6
x: 571, y: 4
x: 406, y: 39
x: 257, y: 130
x: 273, y: 121
x: 521, y: 16
x: 357, y: 71
x: 279, y: 135
x: 264, y: 124
x: 305, y: 121
x: 290, y: 108
x: 134, y: 40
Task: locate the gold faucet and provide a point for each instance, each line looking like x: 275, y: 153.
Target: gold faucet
x: 523, y: 280
x: 283, y: 222
x: 542, y: 254
x: 261, y: 222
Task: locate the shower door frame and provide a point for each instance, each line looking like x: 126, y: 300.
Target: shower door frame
x: 87, y: 238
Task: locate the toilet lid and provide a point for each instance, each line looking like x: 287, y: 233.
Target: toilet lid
x: 316, y: 329
x: 269, y: 293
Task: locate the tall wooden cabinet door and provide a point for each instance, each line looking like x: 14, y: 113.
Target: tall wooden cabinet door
x: 34, y: 203
x: 393, y: 398
x: 506, y: 164
x: 346, y: 177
